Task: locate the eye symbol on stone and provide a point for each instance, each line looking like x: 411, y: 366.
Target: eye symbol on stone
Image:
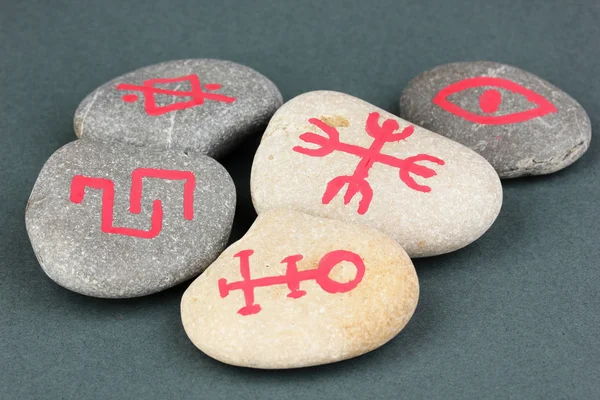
x: 490, y: 101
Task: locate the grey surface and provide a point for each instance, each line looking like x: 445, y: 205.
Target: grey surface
x: 514, y: 315
x: 69, y: 236
x: 536, y: 146
x: 213, y: 127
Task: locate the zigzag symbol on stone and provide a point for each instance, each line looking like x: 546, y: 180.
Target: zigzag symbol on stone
x: 80, y: 182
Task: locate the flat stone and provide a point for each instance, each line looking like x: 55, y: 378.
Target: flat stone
x: 202, y: 105
x: 520, y: 123
x: 317, y: 291
x: 119, y: 221
x: 429, y: 193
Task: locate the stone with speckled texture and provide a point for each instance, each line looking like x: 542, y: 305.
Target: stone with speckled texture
x: 77, y: 254
x: 458, y: 202
x: 534, y: 146
x: 211, y: 128
x: 318, y: 327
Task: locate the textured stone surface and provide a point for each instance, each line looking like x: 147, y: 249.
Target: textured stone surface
x: 308, y: 326
x: 454, y: 202
x: 79, y: 245
x: 550, y: 132
x: 211, y: 128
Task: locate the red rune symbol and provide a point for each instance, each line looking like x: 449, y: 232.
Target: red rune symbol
x: 491, y: 99
x: 149, y: 89
x: 357, y: 182
x: 80, y: 182
x: 293, y: 277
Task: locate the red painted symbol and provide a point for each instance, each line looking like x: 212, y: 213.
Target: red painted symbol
x: 357, y: 182
x: 149, y: 89
x: 80, y: 182
x: 293, y: 277
x: 491, y: 99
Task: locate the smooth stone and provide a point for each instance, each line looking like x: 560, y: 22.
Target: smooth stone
x: 520, y: 123
x: 364, y: 293
x: 454, y: 205
x: 84, y: 248
x: 211, y: 123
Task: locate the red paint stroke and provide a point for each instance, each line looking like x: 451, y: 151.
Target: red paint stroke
x: 148, y: 89
x: 130, y: 98
x: 292, y: 277
x: 80, y: 182
x: 357, y: 182
x: 490, y: 100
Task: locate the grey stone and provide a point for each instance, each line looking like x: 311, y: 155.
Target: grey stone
x: 213, y: 127
x: 537, y: 131
x: 82, y: 248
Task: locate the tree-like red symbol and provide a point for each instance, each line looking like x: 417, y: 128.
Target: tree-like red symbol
x: 80, y: 182
x: 357, y: 182
x: 292, y: 277
x: 149, y: 90
x: 490, y: 100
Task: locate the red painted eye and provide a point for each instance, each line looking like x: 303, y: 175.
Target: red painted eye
x: 490, y: 101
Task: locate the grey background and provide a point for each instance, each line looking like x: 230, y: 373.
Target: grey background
x: 514, y: 315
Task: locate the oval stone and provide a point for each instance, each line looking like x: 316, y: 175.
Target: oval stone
x: 520, y: 123
x: 299, y: 290
x: 202, y: 105
x: 333, y: 155
x: 118, y: 221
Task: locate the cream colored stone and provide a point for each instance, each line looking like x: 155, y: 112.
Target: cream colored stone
x: 464, y: 200
x: 317, y: 328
